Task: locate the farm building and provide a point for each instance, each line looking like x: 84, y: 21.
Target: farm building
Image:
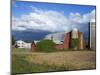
x: 33, y: 46
x: 22, y: 44
x: 72, y: 39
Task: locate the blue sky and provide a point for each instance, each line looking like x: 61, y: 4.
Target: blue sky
x: 49, y: 17
x: 22, y: 7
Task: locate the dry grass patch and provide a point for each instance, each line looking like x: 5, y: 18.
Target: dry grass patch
x: 67, y: 59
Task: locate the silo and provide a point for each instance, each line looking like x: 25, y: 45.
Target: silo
x: 93, y: 34
x: 81, y: 40
x: 75, y: 33
x: 74, y: 38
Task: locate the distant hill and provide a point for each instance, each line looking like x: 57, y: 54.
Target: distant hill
x: 29, y: 36
x: 39, y: 35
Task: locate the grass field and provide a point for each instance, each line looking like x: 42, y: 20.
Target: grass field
x: 24, y: 61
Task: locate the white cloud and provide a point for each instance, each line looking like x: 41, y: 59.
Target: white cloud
x: 41, y: 20
x: 78, y: 18
x: 49, y: 20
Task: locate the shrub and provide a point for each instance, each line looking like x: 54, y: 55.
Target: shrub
x: 46, y: 46
x: 74, y: 43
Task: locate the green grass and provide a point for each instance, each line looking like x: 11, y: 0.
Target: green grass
x: 20, y: 65
x: 20, y: 50
x: 24, y: 61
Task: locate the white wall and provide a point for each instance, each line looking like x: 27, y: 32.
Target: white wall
x: 27, y: 45
x: 22, y: 44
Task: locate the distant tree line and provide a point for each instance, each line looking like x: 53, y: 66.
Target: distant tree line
x: 13, y: 40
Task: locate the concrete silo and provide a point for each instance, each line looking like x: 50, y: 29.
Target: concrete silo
x: 93, y: 34
x: 76, y: 39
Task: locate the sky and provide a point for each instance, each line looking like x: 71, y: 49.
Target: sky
x: 38, y: 18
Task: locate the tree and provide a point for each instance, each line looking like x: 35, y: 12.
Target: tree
x: 13, y: 40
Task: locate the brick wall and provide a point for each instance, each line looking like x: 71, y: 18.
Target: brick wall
x: 66, y: 42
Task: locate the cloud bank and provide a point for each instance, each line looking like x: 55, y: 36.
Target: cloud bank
x: 49, y: 20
